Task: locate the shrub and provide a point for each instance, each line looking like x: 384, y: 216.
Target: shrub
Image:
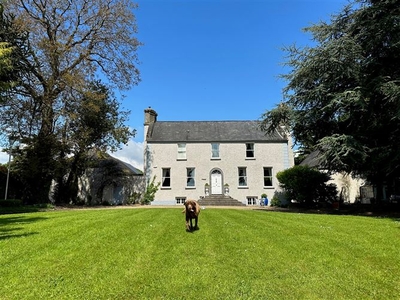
x: 276, y: 202
x: 150, y: 192
x: 10, y: 203
x: 307, y: 185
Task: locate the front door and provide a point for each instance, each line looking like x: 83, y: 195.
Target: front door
x: 216, y: 182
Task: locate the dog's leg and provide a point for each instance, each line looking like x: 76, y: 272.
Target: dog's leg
x: 187, y: 223
x: 196, y: 219
x: 191, y: 224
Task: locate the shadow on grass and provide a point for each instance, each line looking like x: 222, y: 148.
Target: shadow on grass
x: 22, y: 209
x: 193, y: 230
x: 9, y: 230
x: 366, y: 210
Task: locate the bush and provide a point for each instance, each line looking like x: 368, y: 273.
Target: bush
x: 276, y: 202
x: 150, y: 192
x: 307, y: 185
x: 10, y: 203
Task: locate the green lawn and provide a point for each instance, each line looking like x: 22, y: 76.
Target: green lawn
x: 145, y: 253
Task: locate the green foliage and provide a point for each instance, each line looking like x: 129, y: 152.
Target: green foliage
x: 276, y: 202
x: 342, y: 96
x: 134, y: 198
x: 35, y: 166
x: 151, y: 190
x: 306, y: 185
x: 10, y: 202
x: 280, y: 255
x: 95, y: 121
x: 5, y: 66
x: 55, y: 106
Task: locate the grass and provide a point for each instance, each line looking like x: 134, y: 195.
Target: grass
x: 146, y: 253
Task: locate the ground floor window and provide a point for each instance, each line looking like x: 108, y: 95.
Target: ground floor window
x: 267, y: 176
x: 180, y: 200
x: 242, y: 176
x: 251, y: 200
x: 166, y: 177
x: 190, y: 173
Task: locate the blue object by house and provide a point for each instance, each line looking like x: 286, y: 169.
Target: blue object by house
x: 265, y: 201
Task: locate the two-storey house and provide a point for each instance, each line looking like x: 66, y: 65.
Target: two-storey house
x: 202, y: 159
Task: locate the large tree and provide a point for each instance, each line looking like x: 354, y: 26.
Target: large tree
x: 343, y: 94
x: 97, y: 127
x: 69, y: 45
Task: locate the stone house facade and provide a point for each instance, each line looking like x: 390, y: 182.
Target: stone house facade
x: 200, y: 159
x: 111, y: 181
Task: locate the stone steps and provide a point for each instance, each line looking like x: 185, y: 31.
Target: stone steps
x: 219, y: 200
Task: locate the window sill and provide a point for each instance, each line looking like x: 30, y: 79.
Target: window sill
x: 190, y: 188
x: 215, y: 158
x: 243, y: 187
x: 181, y: 159
x: 269, y: 187
x: 165, y: 188
x: 250, y: 158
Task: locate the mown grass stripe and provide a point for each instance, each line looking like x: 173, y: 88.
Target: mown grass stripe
x: 237, y: 254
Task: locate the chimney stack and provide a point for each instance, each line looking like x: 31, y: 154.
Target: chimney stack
x: 150, y: 116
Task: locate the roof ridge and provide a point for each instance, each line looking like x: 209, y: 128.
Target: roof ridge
x: 209, y: 121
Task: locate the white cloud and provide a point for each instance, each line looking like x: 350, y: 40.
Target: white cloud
x: 131, y: 154
x: 3, y: 157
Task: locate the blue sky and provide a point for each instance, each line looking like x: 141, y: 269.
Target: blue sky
x: 214, y: 59
x: 217, y: 60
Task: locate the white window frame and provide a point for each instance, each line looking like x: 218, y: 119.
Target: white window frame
x: 252, y: 200
x: 268, y: 177
x: 242, y: 177
x: 180, y: 200
x: 165, y: 177
x: 250, y: 149
x: 190, y: 177
x: 181, y: 151
x: 215, y: 151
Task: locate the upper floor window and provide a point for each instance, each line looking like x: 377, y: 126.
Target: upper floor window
x: 242, y: 176
x: 181, y: 151
x: 267, y: 176
x: 214, y: 150
x: 166, y: 177
x: 249, y: 150
x: 190, y: 180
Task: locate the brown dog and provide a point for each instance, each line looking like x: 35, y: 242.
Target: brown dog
x: 192, y: 211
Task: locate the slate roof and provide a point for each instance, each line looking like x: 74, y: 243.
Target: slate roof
x: 105, y: 160
x: 209, y: 131
x: 127, y: 168
x: 312, y: 160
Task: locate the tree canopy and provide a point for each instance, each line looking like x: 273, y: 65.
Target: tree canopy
x: 343, y: 94
x: 5, y: 66
x: 61, y: 50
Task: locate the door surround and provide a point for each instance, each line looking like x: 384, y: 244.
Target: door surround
x: 216, y: 179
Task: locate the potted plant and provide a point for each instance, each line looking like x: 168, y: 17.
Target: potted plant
x: 226, y: 189
x: 207, y: 189
x: 264, y: 199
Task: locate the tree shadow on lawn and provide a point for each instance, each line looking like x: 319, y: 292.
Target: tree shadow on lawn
x: 8, y: 230
x: 366, y: 210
